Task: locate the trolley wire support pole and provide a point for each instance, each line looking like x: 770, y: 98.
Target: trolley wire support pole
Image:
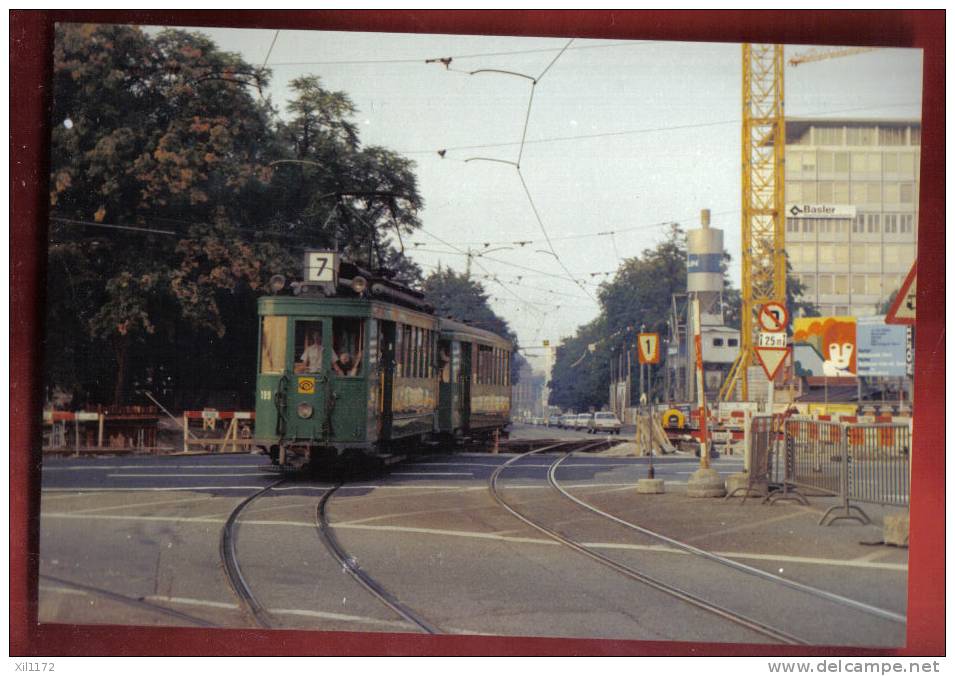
x: 704, y: 482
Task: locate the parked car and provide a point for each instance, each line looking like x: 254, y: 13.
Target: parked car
x: 553, y: 421
x: 568, y: 420
x: 582, y: 421
x: 604, y: 422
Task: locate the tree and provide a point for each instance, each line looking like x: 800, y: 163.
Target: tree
x: 459, y: 297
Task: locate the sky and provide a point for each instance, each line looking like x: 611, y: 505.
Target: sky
x: 619, y: 136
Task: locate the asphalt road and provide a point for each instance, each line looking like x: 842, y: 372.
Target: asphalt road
x: 136, y: 541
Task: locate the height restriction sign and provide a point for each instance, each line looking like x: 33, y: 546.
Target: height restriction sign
x: 649, y: 348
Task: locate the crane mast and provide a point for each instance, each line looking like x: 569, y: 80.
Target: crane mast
x: 763, y: 200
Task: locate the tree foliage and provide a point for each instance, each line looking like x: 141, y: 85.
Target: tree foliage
x: 169, y: 214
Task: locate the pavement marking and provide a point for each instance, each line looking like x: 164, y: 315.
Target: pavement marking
x: 192, y: 602
x: 140, y: 504
x: 101, y: 489
x: 83, y: 468
x: 734, y: 529
x: 179, y: 476
x: 61, y: 590
x: 432, y: 474
x: 336, y: 616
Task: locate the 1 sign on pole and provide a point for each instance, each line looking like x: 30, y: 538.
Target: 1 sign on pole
x: 649, y: 348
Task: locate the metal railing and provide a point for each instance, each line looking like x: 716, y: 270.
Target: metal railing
x: 858, y: 463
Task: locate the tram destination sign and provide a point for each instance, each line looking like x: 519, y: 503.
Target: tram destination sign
x: 821, y: 210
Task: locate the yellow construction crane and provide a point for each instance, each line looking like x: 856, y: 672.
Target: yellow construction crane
x: 763, y: 200
x: 822, y: 53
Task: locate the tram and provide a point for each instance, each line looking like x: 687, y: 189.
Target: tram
x: 352, y: 365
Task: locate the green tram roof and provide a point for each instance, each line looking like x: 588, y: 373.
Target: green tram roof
x: 461, y: 331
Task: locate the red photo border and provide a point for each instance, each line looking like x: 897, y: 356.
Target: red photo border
x: 31, y: 34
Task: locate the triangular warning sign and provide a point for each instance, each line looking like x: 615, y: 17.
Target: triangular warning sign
x: 903, y: 307
x: 771, y: 358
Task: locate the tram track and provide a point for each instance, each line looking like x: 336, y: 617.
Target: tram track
x: 722, y: 560
x: 631, y: 573
x: 349, y: 564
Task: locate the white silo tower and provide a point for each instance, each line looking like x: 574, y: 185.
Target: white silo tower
x: 704, y: 269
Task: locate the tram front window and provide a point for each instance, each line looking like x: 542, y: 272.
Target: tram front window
x: 308, y: 347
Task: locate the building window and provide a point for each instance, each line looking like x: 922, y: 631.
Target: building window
x: 906, y: 193
x: 840, y: 284
x: 808, y: 225
x: 858, y: 284
x: 825, y: 193
x: 873, y: 254
x: 860, y: 136
x: 792, y: 225
x: 825, y: 163
x: 915, y: 136
x: 808, y: 192
x: 840, y: 192
x: 825, y: 285
x: 905, y: 223
x: 840, y: 310
x: 874, y: 285
x: 858, y: 225
x: 794, y: 191
x: 891, y: 163
x: 891, y: 192
x: 907, y: 164
x: 826, y: 256
x: 808, y: 284
x: 890, y: 223
x: 732, y: 342
x: 717, y: 342
x: 873, y: 163
x: 891, y: 136
x: 828, y: 136
x: 842, y: 162
x: 808, y: 162
x: 858, y: 254
x: 872, y: 223
x: 873, y: 193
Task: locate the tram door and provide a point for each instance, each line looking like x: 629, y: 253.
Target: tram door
x: 464, y: 375
x: 386, y: 376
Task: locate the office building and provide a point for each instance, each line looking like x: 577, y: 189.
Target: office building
x: 852, y: 190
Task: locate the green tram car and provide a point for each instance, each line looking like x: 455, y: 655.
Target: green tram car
x: 354, y: 365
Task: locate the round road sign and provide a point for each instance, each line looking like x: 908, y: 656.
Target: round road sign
x: 773, y: 317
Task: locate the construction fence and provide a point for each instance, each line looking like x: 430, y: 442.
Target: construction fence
x: 796, y: 457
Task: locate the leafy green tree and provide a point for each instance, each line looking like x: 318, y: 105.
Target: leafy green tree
x: 460, y: 297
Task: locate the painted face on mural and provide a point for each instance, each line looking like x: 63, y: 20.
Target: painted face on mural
x: 839, y: 346
x: 840, y: 354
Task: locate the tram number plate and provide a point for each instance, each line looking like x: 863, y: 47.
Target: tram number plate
x: 321, y: 266
x: 767, y: 339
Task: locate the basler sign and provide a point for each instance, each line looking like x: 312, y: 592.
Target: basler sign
x: 821, y: 210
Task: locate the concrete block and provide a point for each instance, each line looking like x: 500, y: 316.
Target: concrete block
x: 705, y: 483
x: 650, y: 486
x: 895, y: 530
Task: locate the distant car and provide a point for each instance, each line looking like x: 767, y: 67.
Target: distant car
x: 553, y: 421
x: 568, y: 420
x: 604, y: 422
x: 583, y: 421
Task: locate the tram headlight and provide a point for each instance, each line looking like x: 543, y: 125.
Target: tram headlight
x: 305, y: 410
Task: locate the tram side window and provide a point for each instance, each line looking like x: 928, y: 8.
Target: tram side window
x: 348, y: 339
x: 273, y: 344
x: 308, y: 347
x: 484, y: 364
x: 444, y: 360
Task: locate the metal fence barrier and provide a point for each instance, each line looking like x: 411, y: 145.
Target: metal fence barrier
x: 861, y: 463
x: 764, y: 437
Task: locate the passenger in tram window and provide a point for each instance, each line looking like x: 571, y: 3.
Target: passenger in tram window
x: 311, y: 359
x: 444, y: 364
x: 344, y: 365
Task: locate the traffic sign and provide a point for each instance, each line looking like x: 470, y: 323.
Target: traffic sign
x: 771, y: 358
x: 903, y: 307
x: 767, y: 339
x: 773, y: 317
x: 649, y: 348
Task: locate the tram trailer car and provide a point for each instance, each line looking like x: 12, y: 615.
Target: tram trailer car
x: 358, y: 365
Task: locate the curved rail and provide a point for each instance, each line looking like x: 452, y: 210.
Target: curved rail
x: 231, y: 563
x: 348, y: 563
x: 692, y: 599
x: 736, y: 565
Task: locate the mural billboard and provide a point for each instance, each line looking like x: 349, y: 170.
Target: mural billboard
x: 882, y: 347
x: 825, y: 346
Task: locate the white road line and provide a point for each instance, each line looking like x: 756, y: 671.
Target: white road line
x: 432, y: 474
x: 61, y: 590
x: 180, y: 476
x: 850, y: 563
x: 337, y: 616
x: 193, y: 602
x: 146, y: 489
x: 86, y: 468
x: 135, y: 505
